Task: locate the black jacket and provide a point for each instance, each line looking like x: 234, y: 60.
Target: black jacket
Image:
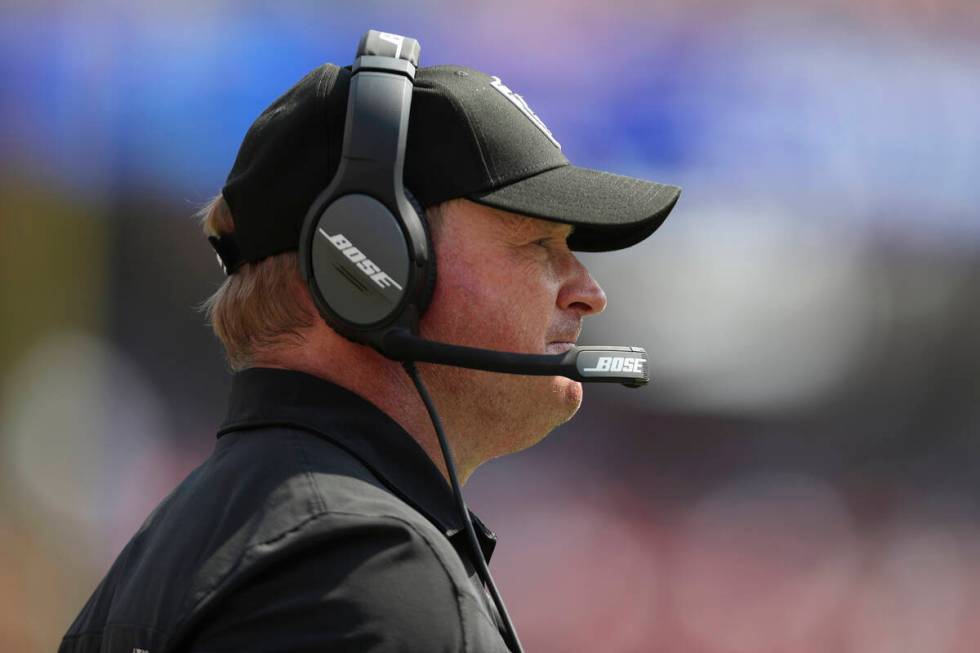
x: 317, y: 524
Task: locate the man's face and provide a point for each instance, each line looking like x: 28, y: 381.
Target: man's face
x: 509, y: 283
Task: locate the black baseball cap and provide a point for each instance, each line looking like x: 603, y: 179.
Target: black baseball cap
x: 469, y: 136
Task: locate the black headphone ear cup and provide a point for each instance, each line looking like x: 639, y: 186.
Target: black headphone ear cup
x: 352, y: 287
x: 428, y: 285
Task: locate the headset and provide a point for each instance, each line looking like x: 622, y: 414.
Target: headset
x: 366, y: 254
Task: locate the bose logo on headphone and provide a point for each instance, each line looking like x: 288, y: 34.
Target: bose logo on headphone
x: 616, y: 364
x: 366, y: 265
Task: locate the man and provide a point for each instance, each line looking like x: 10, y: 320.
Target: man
x: 324, y: 519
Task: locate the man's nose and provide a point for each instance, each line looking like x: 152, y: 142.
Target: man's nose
x: 580, y: 292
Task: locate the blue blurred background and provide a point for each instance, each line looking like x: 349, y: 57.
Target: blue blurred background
x: 801, y: 476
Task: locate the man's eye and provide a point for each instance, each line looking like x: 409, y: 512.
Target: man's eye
x: 543, y: 242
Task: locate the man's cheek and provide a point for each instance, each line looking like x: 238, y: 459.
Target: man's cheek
x: 461, y: 312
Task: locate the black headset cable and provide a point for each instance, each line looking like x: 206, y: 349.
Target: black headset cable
x: 481, y: 564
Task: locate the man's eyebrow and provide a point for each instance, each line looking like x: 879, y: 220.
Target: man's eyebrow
x: 558, y: 230
x: 570, y: 227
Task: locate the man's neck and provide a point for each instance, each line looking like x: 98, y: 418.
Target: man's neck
x: 383, y: 382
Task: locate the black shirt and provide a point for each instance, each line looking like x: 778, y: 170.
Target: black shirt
x: 317, y: 524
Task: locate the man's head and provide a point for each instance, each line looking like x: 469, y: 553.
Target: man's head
x: 506, y: 208
x: 506, y: 282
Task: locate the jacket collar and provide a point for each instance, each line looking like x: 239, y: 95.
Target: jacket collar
x: 276, y: 397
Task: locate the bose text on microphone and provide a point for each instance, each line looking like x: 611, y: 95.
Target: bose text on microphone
x: 625, y: 365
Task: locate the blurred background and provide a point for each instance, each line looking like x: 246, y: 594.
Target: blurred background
x: 803, y: 473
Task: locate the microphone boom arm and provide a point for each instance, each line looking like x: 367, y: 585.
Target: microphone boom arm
x: 626, y: 365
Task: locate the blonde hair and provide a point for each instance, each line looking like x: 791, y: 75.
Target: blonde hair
x: 260, y: 307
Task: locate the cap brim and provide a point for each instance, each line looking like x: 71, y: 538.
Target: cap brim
x: 608, y: 211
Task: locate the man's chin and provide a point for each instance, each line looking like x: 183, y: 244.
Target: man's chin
x: 570, y: 395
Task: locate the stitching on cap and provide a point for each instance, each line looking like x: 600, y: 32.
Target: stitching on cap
x: 537, y: 172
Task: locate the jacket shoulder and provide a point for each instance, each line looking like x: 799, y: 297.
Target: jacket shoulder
x: 262, y: 495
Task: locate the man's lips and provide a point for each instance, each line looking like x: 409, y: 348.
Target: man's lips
x: 558, y: 346
x: 563, y: 339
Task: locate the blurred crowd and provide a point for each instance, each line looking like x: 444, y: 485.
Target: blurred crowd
x: 801, y: 474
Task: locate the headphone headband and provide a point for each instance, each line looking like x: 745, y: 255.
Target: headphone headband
x: 364, y: 249
x: 376, y: 132
x: 383, y: 64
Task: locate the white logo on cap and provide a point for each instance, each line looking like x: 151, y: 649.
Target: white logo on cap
x: 519, y: 102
